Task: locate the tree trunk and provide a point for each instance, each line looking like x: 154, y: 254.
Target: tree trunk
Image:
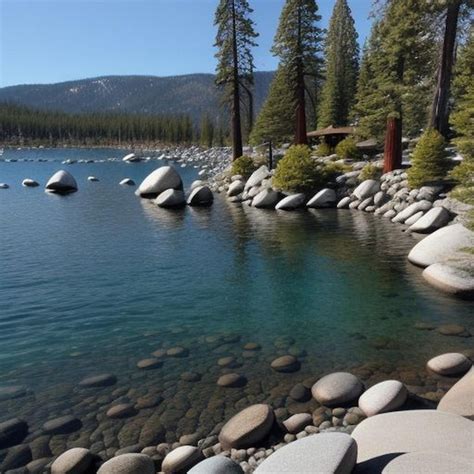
x: 300, y: 136
x: 392, y: 159
x: 439, y: 118
x: 236, y: 125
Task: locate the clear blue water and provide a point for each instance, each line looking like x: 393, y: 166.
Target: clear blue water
x: 97, y: 280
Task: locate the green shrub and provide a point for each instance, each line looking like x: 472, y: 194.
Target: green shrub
x: 244, y: 166
x: 428, y: 162
x: 323, y: 149
x: 370, y: 171
x: 463, y: 173
x: 332, y: 170
x: 297, y: 171
x: 347, y: 149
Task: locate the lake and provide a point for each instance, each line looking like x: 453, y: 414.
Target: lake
x: 95, y: 281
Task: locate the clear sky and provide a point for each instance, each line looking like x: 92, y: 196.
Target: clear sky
x: 44, y: 41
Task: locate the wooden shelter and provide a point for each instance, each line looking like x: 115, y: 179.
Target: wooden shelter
x: 332, y: 135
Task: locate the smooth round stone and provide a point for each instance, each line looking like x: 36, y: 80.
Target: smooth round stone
x: 131, y: 463
x: 460, y: 396
x: 159, y: 353
x: 15, y: 391
x: 337, y: 388
x: 453, y: 330
x: 102, y: 380
x: 16, y: 457
x: 62, y: 425
x: 300, y: 393
x: 297, y: 422
x: 73, y: 461
x: 424, y: 326
x: 38, y: 466
x: 190, y: 376
x: 247, y: 428
x: 148, y: 401
x: 427, y: 461
x: 252, y: 346
x: 29, y: 183
x: 4, y: 186
x: 127, y: 182
x: 122, y: 410
x: 171, y: 198
x: 231, y: 380
x: 451, y: 363
x: 12, y: 432
x: 324, y: 453
x: 177, y: 352
x: 181, y: 459
x: 381, y: 438
x: 61, y: 182
x: 92, y: 178
x: 160, y: 180
x: 148, y: 364
x: 383, y: 397
x: 216, y: 465
x: 227, y: 361
x: 286, y: 363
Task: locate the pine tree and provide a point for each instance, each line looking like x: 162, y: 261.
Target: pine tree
x: 298, y: 45
x: 235, y: 40
x: 342, y: 63
x: 207, y: 131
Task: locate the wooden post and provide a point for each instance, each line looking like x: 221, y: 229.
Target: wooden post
x: 392, y: 159
x: 270, y: 155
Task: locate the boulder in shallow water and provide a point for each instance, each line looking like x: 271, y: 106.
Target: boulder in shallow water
x: 247, y: 428
x: 62, y: 182
x: 451, y: 363
x: 73, y: 461
x: 435, y: 218
x: 344, y: 203
x: 324, y: 198
x: 337, y: 388
x: 285, y: 363
x: 29, y: 183
x: 131, y: 158
x: 412, y: 209
x: 266, y: 199
x: 4, y: 186
x: 181, y: 459
x: 12, y: 432
x: 231, y: 380
x: 197, y: 183
x: 92, y: 178
x: 130, y: 463
x: 102, y: 380
x: 452, y: 276
x: 383, y: 397
x: 127, y: 182
x: 62, y: 425
x: 200, y: 196
x: 171, y: 198
x: 291, y: 202
x: 460, y: 397
x: 323, y: 453
x: 163, y: 178
x: 235, y: 188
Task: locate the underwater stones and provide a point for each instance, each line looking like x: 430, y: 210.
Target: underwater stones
x: 337, y: 388
x: 131, y: 463
x: 61, y: 182
x: 383, y: 397
x: 62, y: 425
x: 148, y: 364
x: 4, y: 186
x: 291, y: 202
x: 102, y: 380
x: 381, y: 437
x: 12, y: 432
x: 229, y: 361
x: 127, y: 182
x: 252, y: 346
x: 171, y: 198
x: 235, y: 188
x: 247, y: 428
x: 16, y: 457
x: 286, y: 363
x: 300, y: 393
x: 435, y: 218
x: 159, y: 353
x: 190, y: 376
x: 460, y: 397
x: 181, y: 459
x: 11, y: 392
x: 29, y: 183
x: 266, y: 199
x: 366, y: 189
x: 163, y: 178
x: 148, y: 401
x: 122, y: 410
x: 324, y: 198
x: 200, y: 196
x: 177, y: 351
x: 231, y: 380
x: 92, y: 179
x: 325, y: 453
x: 453, y: 330
x: 73, y: 461
x: 297, y: 422
x: 216, y: 465
x: 451, y: 363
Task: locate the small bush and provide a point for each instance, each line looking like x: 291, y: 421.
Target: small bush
x: 332, y: 170
x: 347, y: 149
x: 369, y: 171
x: 323, y: 149
x: 297, y: 171
x: 244, y: 166
x: 463, y: 173
x: 428, y: 162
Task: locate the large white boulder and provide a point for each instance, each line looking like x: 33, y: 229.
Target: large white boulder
x: 216, y: 465
x: 127, y: 182
x: 324, y: 198
x: 337, y: 388
x: 247, y: 427
x: 427, y: 461
x: 412, y: 209
x: 380, y: 438
x: 130, y: 463
x: 181, y: 459
x: 289, y: 203
x: 383, y: 397
x: 257, y: 177
x: 344, y: 203
x: 460, y: 397
x: 197, y: 183
x: 61, y: 182
x: 235, y: 188
x: 200, y: 196
x: 163, y: 178
x: 130, y: 158
x: 440, y: 245
x: 75, y: 460
x: 171, y: 198
x: 366, y: 189
x: 435, y: 218
x: 325, y: 453
x: 451, y: 363
x: 266, y: 199
x: 454, y: 276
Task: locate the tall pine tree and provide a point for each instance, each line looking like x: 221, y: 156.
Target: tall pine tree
x: 342, y: 63
x: 235, y: 40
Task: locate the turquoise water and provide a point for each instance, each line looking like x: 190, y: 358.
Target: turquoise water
x: 95, y: 281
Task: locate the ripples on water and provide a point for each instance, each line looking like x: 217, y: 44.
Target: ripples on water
x: 95, y: 281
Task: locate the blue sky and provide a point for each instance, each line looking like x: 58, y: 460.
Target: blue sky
x: 44, y: 41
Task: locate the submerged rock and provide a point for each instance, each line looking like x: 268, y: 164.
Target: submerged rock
x: 266, y: 199
x: 337, y: 388
x: 171, y: 198
x: 62, y: 425
x: 73, y: 461
x: 102, y: 380
x: 289, y: 203
x: 231, y: 380
x: 127, y: 182
x: 324, y: 198
x: 162, y: 179
x: 200, y: 196
x: 286, y: 363
x: 451, y: 363
x: 131, y: 158
x: 29, y: 183
x: 62, y: 182
x: 12, y: 432
x: 4, y: 186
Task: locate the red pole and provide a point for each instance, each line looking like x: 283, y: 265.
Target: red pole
x: 392, y: 159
